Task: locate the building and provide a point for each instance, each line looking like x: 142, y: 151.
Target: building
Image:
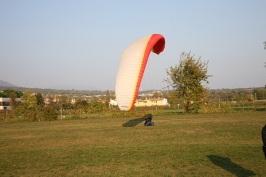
x: 151, y: 102
x: 5, y: 104
x: 113, y: 102
x: 146, y: 102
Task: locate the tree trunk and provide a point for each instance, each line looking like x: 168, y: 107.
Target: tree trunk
x: 186, y: 109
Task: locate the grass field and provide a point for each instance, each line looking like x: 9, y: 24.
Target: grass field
x: 178, y: 145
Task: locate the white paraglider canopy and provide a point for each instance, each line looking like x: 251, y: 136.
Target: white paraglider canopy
x: 132, y: 66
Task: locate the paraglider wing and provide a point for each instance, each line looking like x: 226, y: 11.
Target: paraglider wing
x: 132, y: 66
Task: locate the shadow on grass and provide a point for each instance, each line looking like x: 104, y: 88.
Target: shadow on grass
x: 226, y: 164
x: 136, y: 121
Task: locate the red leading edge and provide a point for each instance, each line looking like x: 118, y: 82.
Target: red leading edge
x: 155, y: 44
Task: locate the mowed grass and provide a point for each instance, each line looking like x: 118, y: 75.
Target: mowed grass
x: 178, y: 145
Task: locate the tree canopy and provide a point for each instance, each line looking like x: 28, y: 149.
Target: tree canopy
x: 187, y: 80
x: 7, y: 93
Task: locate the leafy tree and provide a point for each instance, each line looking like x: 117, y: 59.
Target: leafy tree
x: 32, y: 107
x: 13, y: 102
x: 186, y: 79
x: 54, y: 101
x: 28, y: 107
x: 157, y: 95
x: 96, y: 107
x: 49, y: 113
x: 29, y: 99
x: 7, y: 93
x: 173, y: 100
x: 40, y: 100
x: 107, y: 96
x: 68, y: 106
x: 81, y: 107
x: 260, y: 94
x: 64, y: 99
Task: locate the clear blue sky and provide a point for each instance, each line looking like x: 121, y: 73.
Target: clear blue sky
x: 78, y: 44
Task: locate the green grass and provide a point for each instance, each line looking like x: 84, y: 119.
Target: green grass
x: 178, y: 145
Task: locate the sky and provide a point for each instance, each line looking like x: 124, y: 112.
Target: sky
x: 67, y: 44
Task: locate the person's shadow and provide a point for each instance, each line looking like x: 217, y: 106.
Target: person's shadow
x: 226, y: 164
x: 136, y: 121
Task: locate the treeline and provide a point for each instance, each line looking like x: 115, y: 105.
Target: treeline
x: 8, y: 93
x: 258, y: 93
x: 56, y: 91
x: 228, y: 100
x: 33, y: 107
x: 250, y: 94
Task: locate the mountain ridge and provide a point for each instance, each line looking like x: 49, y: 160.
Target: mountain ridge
x: 6, y: 84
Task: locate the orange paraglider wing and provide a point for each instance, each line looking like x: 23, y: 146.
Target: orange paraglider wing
x: 131, y: 69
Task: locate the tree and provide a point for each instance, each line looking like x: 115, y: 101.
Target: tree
x: 186, y: 79
x: 107, y: 96
x: 6, y: 93
x: 13, y: 101
x: 49, y: 113
x: 157, y: 94
x: 260, y: 94
x: 28, y: 107
x: 32, y: 107
x: 40, y: 100
x: 81, y: 107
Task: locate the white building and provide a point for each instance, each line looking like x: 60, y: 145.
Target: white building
x: 5, y: 104
x: 113, y: 102
x: 151, y: 102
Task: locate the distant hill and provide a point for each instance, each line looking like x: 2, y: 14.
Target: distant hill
x: 6, y: 84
